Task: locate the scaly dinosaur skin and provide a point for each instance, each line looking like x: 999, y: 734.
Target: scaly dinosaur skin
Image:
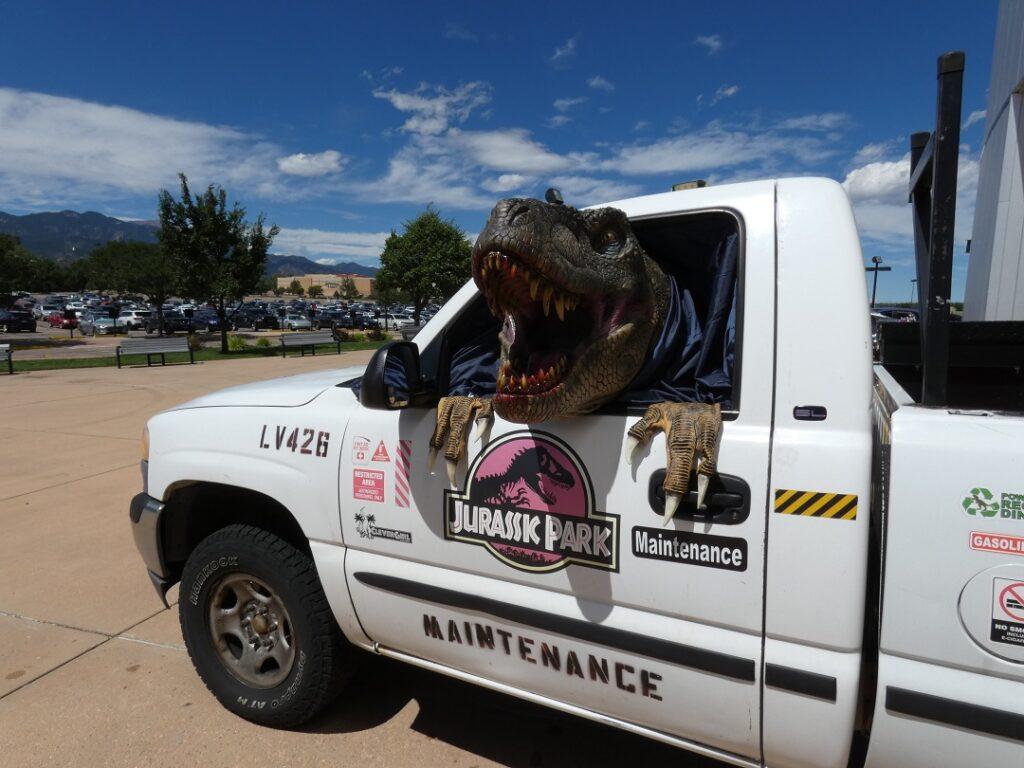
x: 582, y: 304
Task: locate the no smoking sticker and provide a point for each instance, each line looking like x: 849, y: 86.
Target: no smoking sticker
x: 1008, y: 612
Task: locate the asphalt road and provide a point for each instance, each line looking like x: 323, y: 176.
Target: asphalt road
x: 93, y: 671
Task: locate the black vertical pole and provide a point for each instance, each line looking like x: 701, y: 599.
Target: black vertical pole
x: 934, y: 297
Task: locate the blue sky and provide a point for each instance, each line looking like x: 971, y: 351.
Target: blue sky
x: 340, y: 120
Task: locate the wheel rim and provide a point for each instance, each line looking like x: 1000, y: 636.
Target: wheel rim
x: 251, y: 631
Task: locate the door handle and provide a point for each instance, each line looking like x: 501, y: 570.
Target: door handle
x: 727, y: 501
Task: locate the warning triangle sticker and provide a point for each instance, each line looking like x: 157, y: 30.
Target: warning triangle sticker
x: 381, y: 454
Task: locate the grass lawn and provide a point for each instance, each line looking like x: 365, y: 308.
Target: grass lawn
x: 182, y: 357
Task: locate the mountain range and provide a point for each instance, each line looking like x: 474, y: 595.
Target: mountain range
x: 70, y: 235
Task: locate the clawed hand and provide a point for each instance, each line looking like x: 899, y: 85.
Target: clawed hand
x: 692, y: 432
x: 450, y: 433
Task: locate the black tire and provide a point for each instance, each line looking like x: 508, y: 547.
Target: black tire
x: 321, y: 660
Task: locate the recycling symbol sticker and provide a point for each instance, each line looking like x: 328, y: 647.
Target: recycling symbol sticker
x: 981, y: 501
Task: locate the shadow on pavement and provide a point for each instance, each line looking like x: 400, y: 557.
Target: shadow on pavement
x: 489, y: 724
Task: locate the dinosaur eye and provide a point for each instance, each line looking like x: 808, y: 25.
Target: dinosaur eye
x: 608, y: 242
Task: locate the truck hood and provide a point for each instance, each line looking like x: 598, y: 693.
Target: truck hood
x: 288, y: 392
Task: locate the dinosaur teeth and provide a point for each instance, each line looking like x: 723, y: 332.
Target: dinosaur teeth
x: 534, y: 285
x: 548, y: 290
x: 560, y: 306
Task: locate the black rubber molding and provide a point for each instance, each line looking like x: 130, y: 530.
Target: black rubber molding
x: 995, y: 722
x: 799, y: 681
x: 654, y: 648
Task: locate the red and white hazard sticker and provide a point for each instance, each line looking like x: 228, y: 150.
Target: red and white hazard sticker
x: 368, y: 485
x: 997, y: 542
x: 403, y: 458
x: 1008, y: 612
x: 360, y: 450
x: 381, y: 454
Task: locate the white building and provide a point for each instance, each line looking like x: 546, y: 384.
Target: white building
x: 995, y: 273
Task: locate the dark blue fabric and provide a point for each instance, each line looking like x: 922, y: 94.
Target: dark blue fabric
x: 693, y: 358
x: 691, y: 361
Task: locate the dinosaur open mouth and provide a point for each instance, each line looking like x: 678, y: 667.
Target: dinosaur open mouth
x: 546, y: 327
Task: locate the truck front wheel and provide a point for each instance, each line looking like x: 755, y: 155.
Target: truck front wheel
x: 258, y: 627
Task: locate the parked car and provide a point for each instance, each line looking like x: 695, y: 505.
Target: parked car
x: 12, y: 321
x: 96, y: 323
x: 174, y: 322
x: 256, y: 319
x: 60, y: 320
x: 328, y: 318
x: 42, y: 310
x: 207, y: 320
x: 133, y: 319
x: 295, y: 322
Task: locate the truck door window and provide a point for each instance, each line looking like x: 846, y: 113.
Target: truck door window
x: 695, y: 357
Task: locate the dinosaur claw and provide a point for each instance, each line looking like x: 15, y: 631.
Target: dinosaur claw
x: 452, y: 468
x: 481, y: 427
x: 671, y: 505
x: 432, y: 460
x: 702, y: 488
x: 631, y: 445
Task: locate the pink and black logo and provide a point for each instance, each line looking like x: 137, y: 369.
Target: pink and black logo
x: 530, y: 502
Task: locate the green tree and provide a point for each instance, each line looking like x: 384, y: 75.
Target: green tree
x: 278, y: 291
x: 295, y: 288
x: 429, y: 260
x: 134, y: 268
x: 21, y: 270
x: 315, y: 291
x: 217, y: 254
x: 349, y: 292
x: 337, y: 294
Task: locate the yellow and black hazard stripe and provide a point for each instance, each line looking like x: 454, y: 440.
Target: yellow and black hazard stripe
x: 832, y: 506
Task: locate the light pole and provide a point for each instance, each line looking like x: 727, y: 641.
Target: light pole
x: 876, y: 267
x: 913, y: 286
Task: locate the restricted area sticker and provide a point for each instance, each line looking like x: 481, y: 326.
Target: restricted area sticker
x: 368, y: 485
x: 1008, y: 612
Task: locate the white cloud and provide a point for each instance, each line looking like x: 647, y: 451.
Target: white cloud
x: 579, y: 191
x: 639, y: 125
x: 508, y: 182
x: 510, y: 149
x: 567, y: 103
x: 557, y: 121
x: 563, y: 53
x: 712, y: 42
x: 725, y: 92
x: 325, y: 246
x: 318, y: 164
x: 599, y: 83
x: 59, y: 150
x: 433, y: 107
x: 716, y: 146
x: 826, y: 121
x: 878, y: 191
x: 426, y: 171
x: 454, y: 31
x: 870, y: 153
x: 975, y: 117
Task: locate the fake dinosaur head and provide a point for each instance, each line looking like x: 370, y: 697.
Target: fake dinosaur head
x: 580, y: 303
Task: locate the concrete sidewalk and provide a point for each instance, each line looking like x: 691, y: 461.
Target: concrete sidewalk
x: 93, y: 671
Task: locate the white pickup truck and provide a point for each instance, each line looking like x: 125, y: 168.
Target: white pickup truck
x: 857, y: 597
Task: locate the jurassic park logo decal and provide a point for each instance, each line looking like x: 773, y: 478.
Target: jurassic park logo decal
x: 529, y: 501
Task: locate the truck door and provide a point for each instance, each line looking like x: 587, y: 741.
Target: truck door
x: 657, y: 627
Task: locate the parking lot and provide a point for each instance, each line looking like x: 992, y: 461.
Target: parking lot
x: 93, y: 669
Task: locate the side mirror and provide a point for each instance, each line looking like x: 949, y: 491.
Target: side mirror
x: 392, y: 380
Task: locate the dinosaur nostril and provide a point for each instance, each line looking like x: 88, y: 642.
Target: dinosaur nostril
x: 518, y: 213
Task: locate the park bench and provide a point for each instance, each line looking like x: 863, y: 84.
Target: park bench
x: 6, y: 351
x: 152, y: 347
x: 304, y: 341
